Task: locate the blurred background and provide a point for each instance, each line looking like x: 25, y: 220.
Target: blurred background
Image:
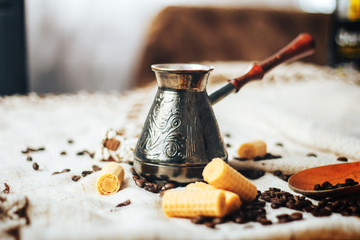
x: 109, y: 45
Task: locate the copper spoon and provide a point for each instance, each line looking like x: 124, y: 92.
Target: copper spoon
x: 304, y: 181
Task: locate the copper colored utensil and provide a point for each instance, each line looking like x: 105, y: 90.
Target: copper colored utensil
x: 304, y: 181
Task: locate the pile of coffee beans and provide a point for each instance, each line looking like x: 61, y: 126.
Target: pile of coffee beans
x: 256, y: 212
x: 327, y: 185
x: 278, y: 198
x: 150, y: 186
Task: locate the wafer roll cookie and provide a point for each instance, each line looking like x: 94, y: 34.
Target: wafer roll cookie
x: 222, y: 176
x: 252, y: 149
x: 194, y: 203
x: 111, y: 177
x: 232, y: 200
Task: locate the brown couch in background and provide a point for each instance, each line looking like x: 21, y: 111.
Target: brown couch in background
x: 188, y: 34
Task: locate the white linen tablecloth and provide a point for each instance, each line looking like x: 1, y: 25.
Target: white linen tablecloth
x: 307, y: 108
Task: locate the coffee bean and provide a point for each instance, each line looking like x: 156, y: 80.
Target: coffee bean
x: 342, y: 159
x: 210, y: 224
x: 317, y: 187
x: 265, y: 221
x: 218, y: 220
x: 296, y: 216
x: 140, y: 182
x: 283, y: 218
x: 95, y: 168
x: 198, y: 219
x: 279, y: 144
x: 35, y: 166
x: 275, y: 205
x: 349, y: 181
x: 55, y: 173
x: 85, y: 173
x: 63, y: 153
x: 169, y: 186
x: 29, y: 158
x: 65, y: 170
x: 6, y: 189
x: 228, y: 145
x: 75, y: 178
x: 70, y: 141
x: 123, y: 204
x: 311, y: 155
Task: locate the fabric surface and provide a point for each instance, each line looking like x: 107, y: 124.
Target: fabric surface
x: 306, y: 108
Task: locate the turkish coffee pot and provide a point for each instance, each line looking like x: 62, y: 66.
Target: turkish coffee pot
x: 181, y: 135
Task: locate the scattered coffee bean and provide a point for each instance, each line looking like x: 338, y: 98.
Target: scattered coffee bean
x: 296, y: 216
x: 342, y: 159
x: 75, y: 178
x: 265, y: 221
x: 30, y: 149
x: 6, y: 189
x: 169, y: 186
x: 55, y: 173
x: 96, y: 168
x: 140, y: 182
x: 199, y: 219
x: 35, y: 166
x: 279, y: 144
x: 123, y: 204
x: 29, y: 159
x: 228, y: 145
x: 218, y: 220
x: 85, y: 152
x: 63, y: 153
x: 210, y: 224
x: 284, y: 218
x: 65, y: 170
x: 70, y: 141
x: 228, y: 135
x: 311, y: 155
x: 85, y: 173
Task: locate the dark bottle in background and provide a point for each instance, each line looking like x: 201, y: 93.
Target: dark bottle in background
x: 345, y: 36
x: 13, y: 70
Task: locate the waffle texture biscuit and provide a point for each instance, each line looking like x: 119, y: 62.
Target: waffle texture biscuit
x: 177, y: 203
x: 252, y: 149
x: 232, y: 200
x: 219, y: 174
x: 111, y: 177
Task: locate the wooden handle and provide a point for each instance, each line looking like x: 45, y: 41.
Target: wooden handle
x: 303, y: 45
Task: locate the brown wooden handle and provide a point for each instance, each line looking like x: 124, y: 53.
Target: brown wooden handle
x: 303, y: 45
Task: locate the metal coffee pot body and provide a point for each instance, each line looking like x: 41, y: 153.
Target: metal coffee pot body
x: 180, y: 135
